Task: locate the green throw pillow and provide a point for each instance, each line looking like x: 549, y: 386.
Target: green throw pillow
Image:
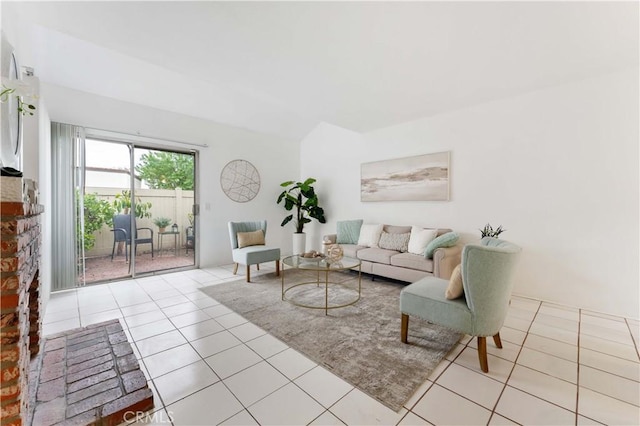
x: 348, y: 231
x: 445, y: 240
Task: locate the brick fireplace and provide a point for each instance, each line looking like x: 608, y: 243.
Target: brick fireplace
x: 20, y: 320
x: 85, y: 376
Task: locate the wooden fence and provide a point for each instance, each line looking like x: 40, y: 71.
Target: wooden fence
x: 173, y: 204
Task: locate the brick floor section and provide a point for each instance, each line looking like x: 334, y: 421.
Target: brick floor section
x: 87, y: 376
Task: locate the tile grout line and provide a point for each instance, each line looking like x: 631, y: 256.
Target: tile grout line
x: 626, y: 320
x: 142, y: 358
x: 528, y: 333
x: 220, y: 379
x: 578, y: 367
x: 433, y: 382
x: 515, y: 361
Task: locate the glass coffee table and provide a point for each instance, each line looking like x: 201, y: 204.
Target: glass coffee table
x: 322, y: 269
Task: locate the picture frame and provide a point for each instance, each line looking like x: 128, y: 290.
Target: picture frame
x: 418, y: 178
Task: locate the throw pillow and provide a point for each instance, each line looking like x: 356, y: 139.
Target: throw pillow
x: 348, y: 231
x: 246, y: 239
x: 370, y: 235
x: 397, y: 242
x: 455, y: 288
x: 449, y: 239
x: 420, y: 238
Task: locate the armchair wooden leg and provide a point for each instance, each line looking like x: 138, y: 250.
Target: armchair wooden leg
x: 235, y: 268
x: 248, y: 274
x: 258, y: 266
x: 277, y: 268
x: 482, y: 353
x: 404, y: 328
x: 497, y: 341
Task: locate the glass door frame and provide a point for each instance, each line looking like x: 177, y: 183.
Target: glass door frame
x: 131, y: 142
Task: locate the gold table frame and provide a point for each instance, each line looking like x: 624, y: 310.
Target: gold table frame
x: 320, y: 265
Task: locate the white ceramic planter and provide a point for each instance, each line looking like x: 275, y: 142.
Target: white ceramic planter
x: 299, y: 242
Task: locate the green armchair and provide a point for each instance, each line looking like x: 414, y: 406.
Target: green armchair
x: 251, y: 254
x: 487, y: 272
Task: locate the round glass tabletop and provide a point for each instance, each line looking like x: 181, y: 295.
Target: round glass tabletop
x: 320, y: 264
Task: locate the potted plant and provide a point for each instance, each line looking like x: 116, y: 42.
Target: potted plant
x: 302, y: 196
x: 122, y: 203
x: 162, y: 223
x: 488, y: 231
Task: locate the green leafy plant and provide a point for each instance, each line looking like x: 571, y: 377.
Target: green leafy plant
x: 162, y: 222
x: 303, y: 197
x: 97, y: 213
x: 488, y: 231
x: 122, y: 203
x: 23, y: 107
x: 166, y: 170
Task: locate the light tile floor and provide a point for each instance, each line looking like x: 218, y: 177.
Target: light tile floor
x: 208, y: 365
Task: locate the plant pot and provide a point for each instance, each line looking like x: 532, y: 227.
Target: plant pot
x: 299, y: 242
x: 161, y: 230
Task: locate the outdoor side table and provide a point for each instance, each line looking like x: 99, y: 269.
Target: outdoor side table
x: 161, y: 236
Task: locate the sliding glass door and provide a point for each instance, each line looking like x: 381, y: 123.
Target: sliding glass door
x: 165, y: 201
x: 134, y: 208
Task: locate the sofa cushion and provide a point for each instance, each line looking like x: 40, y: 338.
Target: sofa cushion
x: 351, y: 250
x: 412, y: 261
x: 348, y: 231
x: 369, y: 235
x: 419, y: 239
x: 449, y: 239
x: 394, y: 229
x: 376, y: 255
x: 455, y: 288
x: 246, y: 239
x: 397, y: 242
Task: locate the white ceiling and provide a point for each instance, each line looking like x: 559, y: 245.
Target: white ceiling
x: 283, y: 67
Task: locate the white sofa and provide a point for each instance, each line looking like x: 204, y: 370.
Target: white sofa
x: 403, y: 266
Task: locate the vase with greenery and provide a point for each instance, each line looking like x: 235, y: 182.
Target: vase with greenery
x: 488, y: 231
x: 21, y: 90
x: 162, y: 223
x: 300, y: 197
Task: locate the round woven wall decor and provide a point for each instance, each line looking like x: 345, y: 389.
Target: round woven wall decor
x: 240, y: 181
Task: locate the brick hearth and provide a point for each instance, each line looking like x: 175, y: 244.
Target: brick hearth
x: 86, y: 376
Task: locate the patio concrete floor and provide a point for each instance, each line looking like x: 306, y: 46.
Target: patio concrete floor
x: 103, y: 268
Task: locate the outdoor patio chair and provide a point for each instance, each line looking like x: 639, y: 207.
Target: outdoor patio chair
x: 487, y: 279
x: 122, y: 233
x: 191, y: 238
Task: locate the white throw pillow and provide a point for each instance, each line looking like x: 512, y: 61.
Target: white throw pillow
x: 420, y: 238
x: 370, y: 235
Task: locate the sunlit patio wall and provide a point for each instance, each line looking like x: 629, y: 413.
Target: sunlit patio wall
x: 173, y: 204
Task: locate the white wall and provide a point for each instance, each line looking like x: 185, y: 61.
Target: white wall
x: 35, y: 148
x: 558, y: 168
x: 274, y: 158
x: 329, y: 154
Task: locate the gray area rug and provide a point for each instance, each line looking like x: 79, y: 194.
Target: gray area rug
x: 359, y: 343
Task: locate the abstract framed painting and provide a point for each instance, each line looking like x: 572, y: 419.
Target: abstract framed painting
x: 419, y: 178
